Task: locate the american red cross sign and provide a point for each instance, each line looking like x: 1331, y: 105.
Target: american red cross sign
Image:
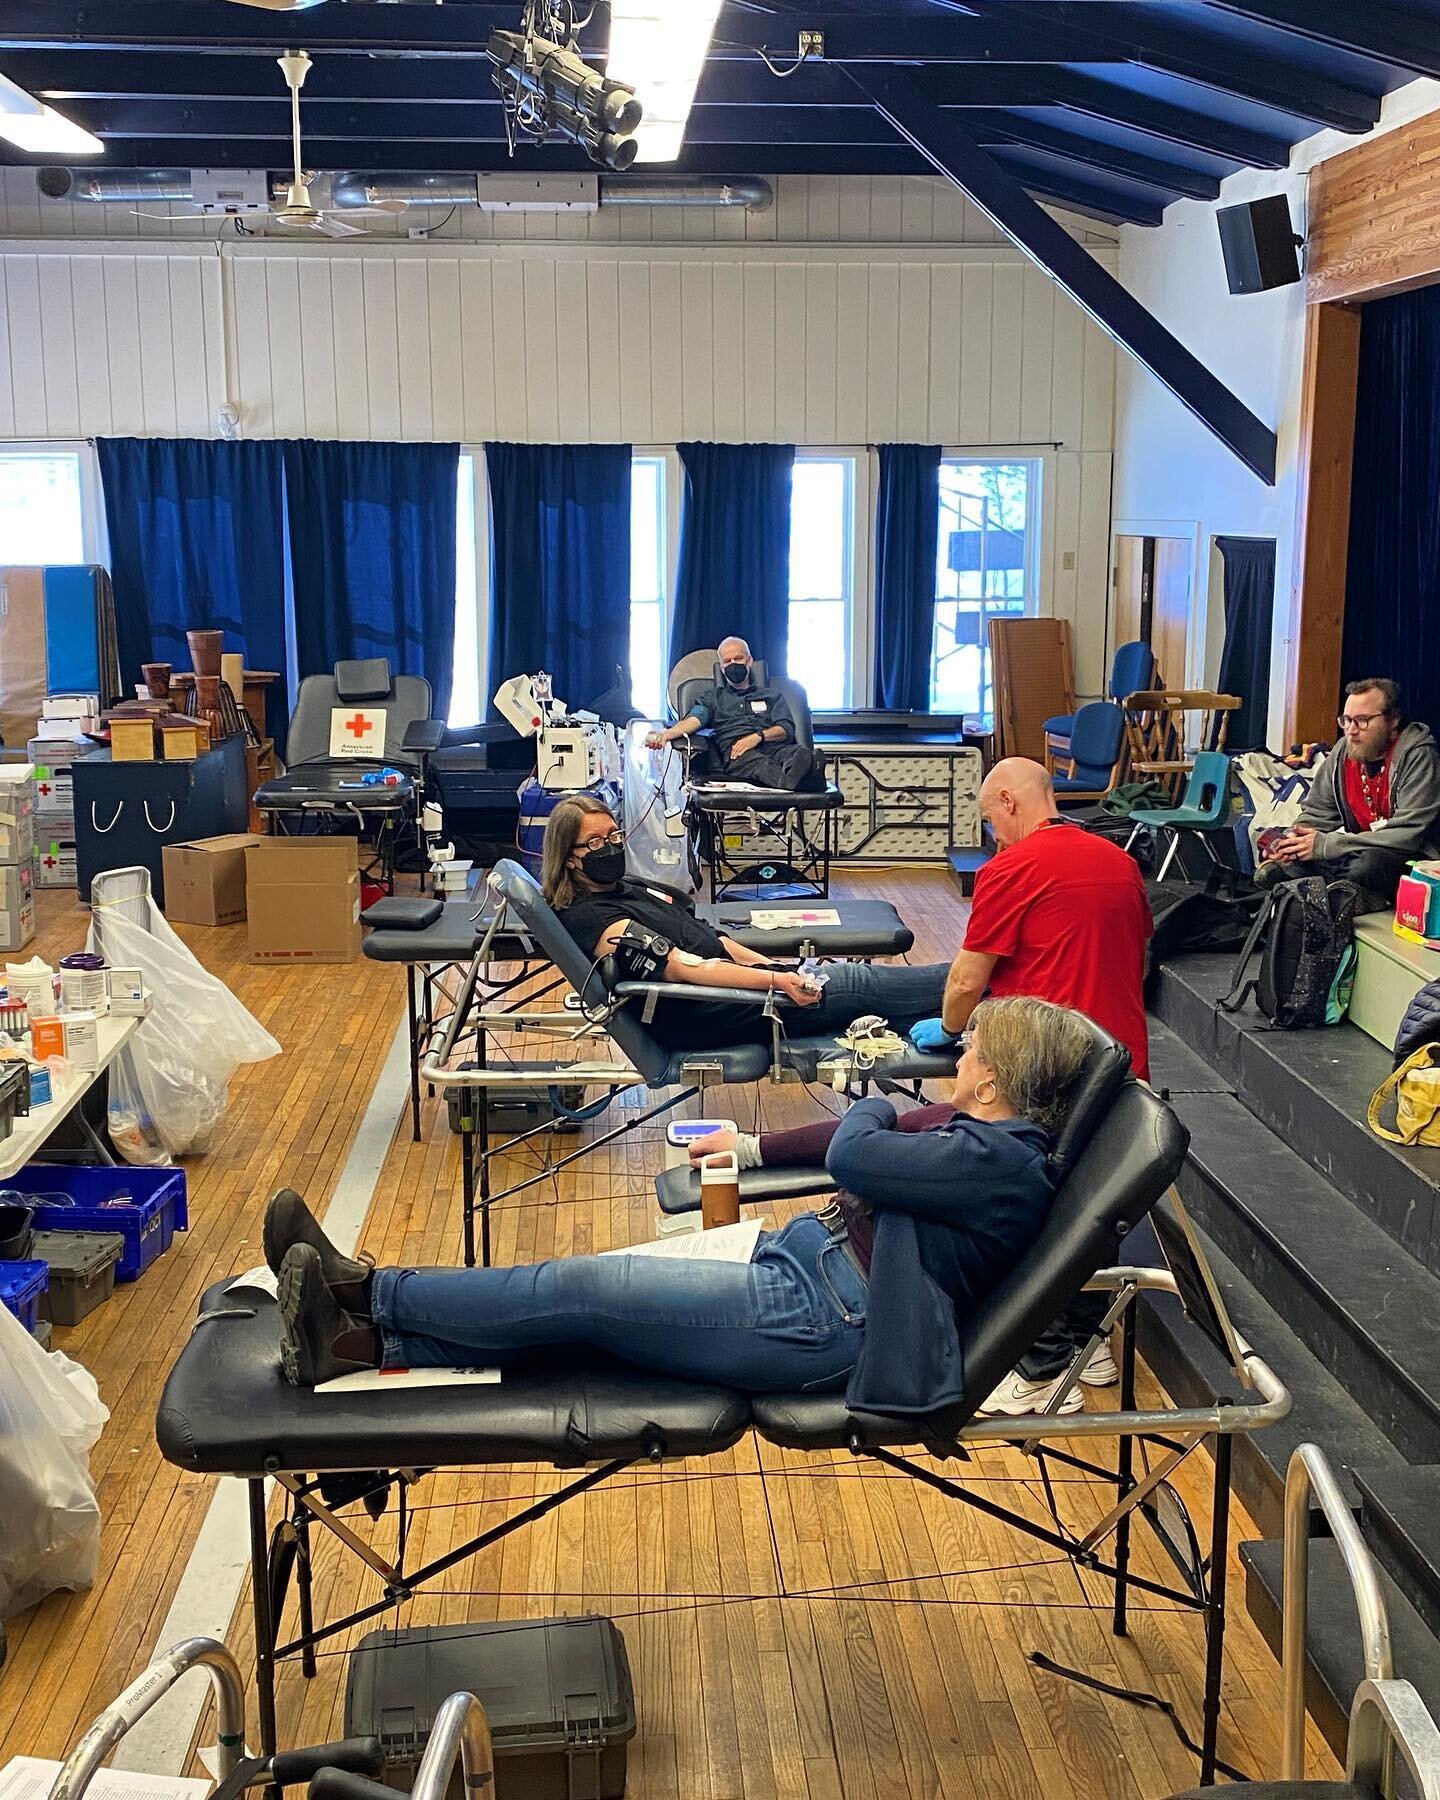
x: 357, y: 731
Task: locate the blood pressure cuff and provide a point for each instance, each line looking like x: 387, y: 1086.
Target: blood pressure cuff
x: 640, y: 955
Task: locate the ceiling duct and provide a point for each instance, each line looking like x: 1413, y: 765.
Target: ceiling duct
x: 352, y: 190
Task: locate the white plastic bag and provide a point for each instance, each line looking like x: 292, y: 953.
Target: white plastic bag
x: 50, y: 1416
x: 167, y: 1088
x: 656, y: 848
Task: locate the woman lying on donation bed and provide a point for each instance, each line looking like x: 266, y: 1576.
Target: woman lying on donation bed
x: 928, y: 1224
x: 583, y: 877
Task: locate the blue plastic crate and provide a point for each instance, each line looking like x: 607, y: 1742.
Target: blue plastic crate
x: 21, y: 1285
x: 73, y: 1199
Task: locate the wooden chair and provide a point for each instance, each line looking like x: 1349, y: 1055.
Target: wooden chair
x: 1155, y: 730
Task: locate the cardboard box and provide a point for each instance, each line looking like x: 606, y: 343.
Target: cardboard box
x: 17, y: 813
x: 58, y: 752
x: 132, y: 740
x: 205, y: 880
x: 17, y: 907
x: 82, y: 1041
x: 47, y: 1037
x: 55, y: 863
x: 72, y: 706
x: 54, y: 797
x: 303, y: 897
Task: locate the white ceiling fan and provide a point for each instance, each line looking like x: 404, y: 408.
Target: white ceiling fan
x: 299, y: 211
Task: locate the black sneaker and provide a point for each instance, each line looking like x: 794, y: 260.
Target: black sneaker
x: 289, y: 1221
x: 311, y: 1320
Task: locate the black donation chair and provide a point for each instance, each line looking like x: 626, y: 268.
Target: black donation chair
x: 325, y: 790
x: 786, y: 839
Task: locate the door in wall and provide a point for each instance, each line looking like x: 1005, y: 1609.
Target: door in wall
x: 1152, y: 599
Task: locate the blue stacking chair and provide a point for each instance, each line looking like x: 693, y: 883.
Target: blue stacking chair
x: 1131, y: 671
x: 1205, y: 809
x: 1097, y: 751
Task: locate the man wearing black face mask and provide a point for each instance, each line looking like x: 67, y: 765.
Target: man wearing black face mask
x: 751, y: 731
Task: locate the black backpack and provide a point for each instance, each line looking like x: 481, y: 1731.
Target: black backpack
x: 1305, y: 937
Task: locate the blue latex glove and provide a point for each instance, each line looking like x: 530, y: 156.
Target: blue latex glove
x: 930, y: 1034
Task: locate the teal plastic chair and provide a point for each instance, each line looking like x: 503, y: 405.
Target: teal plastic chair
x: 1205, y: 808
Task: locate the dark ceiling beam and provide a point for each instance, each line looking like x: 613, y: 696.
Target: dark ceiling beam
x: 1077, y: 194
x: 1366, y: 27
x: 380, y: 121
x: 1146, y: 35
x: 1160, y: 118
x: 954, y: 154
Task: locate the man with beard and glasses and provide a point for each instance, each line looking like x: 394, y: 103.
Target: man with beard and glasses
x: 1373, y: 804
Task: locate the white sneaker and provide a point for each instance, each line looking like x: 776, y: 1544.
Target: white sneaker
x: 1017, y: 1396
x: 1101, y: 1371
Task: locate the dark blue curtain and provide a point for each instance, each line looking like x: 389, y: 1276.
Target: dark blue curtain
x: 734, y: 550
x: 1245, y: 657
x: 1392, y: 588
x: 372, y: 556
x: 196, y: 543
x: 560, y: 565
x: 907, y: 536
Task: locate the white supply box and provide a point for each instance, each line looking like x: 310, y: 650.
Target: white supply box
x: 17, y: 813
x: 17, y: 906
x: 72, y: 706
x: 55, y: 863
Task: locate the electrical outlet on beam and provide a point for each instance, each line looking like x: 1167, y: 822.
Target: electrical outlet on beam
x: 812, y: 43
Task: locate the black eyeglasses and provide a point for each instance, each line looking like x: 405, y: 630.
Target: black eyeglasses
x: 1359, y: 721
x: 613, y: 838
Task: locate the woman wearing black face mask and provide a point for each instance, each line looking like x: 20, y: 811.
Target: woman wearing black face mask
x: 583, y: 877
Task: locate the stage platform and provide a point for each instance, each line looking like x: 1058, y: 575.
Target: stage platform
x: 1326, y: 1244
x: 1389, y: 970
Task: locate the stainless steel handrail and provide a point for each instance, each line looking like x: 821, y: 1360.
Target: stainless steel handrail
x: 1384, y: 1716
x: 460, y: 1725
x: 130, y: 1707
x: 1310, y: 1472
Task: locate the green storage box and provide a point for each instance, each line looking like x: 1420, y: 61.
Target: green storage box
x: 82, y: 1271
x: 557, y: 1693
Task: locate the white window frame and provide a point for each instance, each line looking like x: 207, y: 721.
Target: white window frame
x: 95, y: 537
x: 1038, y: 574
x: 858, y: 596
x: 672, y: 473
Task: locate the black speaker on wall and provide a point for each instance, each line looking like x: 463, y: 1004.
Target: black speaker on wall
x: 1259, y: 245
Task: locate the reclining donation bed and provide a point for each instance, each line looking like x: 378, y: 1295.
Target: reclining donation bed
x: 227, y: 1409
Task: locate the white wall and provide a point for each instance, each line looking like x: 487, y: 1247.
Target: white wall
x: 1168, y: 468
x: 614, y: 338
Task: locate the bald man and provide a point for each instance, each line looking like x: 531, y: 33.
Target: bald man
x: 1061, y: 914
x: 751, y: 730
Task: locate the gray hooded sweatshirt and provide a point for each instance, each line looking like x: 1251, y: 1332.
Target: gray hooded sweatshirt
x: 1410, y: 831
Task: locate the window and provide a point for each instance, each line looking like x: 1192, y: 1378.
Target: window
x: 42, y: 514
x: 649, y: 565
x: 467, y: 705
x: 822, y: 565
x: 985, y: 569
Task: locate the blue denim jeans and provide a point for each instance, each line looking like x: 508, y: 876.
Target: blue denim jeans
x: 791, y: 1319
x: 897, y: 991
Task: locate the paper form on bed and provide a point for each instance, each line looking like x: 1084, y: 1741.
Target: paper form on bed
x: 32, y: 1777
x: 725, y: 1243
x: 259, y: 1279
x: 790, y: 918
x: 378, y: 1381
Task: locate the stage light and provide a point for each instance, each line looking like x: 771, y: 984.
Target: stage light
x: 549, y: 88
x: 658, y: 47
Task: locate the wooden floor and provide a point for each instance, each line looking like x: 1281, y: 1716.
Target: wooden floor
x: 795, y: 1626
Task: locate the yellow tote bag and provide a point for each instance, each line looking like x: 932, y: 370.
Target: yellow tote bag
x: 1416, y: 1087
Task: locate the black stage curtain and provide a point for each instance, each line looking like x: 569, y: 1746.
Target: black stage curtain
x: 1245, y: 658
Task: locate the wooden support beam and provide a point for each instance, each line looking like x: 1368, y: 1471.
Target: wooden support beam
x: 1322, y: 520
x: 997, y: 193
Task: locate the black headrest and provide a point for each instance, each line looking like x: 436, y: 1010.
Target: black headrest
x: 362, y: 678
x: 759, y: 674
x: 1106, y: 1065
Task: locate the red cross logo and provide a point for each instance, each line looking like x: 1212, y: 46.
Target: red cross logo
x: 359, y: 725
x: 44, y: 788
x: 49, y: 862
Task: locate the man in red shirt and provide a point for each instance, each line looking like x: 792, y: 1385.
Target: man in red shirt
x: 1059, y: 914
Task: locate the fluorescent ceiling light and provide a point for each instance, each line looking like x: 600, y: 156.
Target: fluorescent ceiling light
x: 14, y: 98
x: 48, y: 133
x: 658, y: 47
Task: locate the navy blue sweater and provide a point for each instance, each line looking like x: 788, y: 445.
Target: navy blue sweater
x: 955, y: 1209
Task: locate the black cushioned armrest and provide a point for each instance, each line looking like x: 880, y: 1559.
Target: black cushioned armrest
x: 423, y: 735
x: 716, y: 797
x: 402, y: 912
x: 686, y: 990
x: 678, y: 1189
